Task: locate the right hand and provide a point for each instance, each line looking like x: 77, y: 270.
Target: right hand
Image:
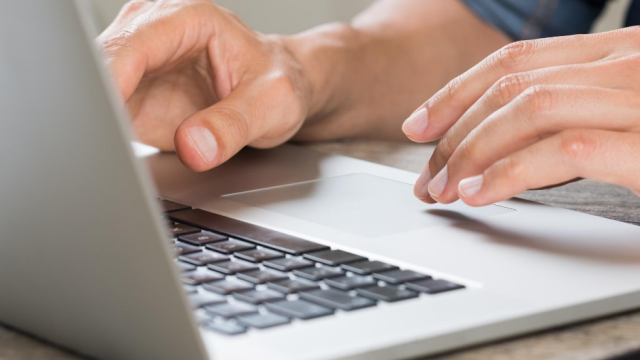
x: 197, y: 80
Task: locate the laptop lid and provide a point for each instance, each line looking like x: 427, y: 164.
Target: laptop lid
x: 81, y: 257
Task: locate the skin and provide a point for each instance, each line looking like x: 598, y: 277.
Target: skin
x: 534, y: 114
x: 198, y: 80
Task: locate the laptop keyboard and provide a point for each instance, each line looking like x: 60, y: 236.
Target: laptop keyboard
x: 240, y: 276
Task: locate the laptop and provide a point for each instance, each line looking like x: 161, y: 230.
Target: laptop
x: 279, y: 254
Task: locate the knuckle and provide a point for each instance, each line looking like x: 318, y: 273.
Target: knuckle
x: 236, y: 124
x: 118, y: 41
x: 508, y: 88
x: 577, y: 145
x: 513, y: 170
x: 514, y: 54
x: 132, y: 7
x: 538, y: 99
x: 452, y: 90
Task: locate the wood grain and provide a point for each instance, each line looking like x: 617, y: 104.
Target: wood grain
x: 593, y: 340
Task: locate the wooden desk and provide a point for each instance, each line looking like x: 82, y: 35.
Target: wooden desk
x: 599, y: 339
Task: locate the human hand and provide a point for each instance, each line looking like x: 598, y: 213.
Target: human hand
x: 197, y: 80
x: 534, y: 114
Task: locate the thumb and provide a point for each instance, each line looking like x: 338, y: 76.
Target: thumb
x: 265, y: 113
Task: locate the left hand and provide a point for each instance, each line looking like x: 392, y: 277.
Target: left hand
x: 534, y: 114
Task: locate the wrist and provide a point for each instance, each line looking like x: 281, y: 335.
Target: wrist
x: 326, y: 55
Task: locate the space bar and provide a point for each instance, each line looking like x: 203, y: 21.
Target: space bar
x: 245, y: 231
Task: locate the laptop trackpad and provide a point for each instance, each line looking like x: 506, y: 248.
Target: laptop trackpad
x: 361, y: 204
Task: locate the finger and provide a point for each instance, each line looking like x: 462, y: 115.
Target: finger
x: 127, y: 14
x: 610, y: 74
x: 536, y: 114
x: 155, y: 40
x: 438, y: 114
x: 594, y: 154
x: 254, y: 114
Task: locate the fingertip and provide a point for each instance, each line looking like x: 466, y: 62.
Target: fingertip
x: 197, y: 147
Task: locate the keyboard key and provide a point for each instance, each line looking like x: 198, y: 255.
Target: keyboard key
x: 318, y: 273
x: 368, y: 267
x: 230, y: 246
x: 288, y: 264
x: 225, y: 327
x: 262, y: 276
x: 229, y: 310
x: 259, y: 255
x: 400, y: 276
x: 431, y: 286
x: 333, y: 257
x: 172, y: 206
x: 199, y: 300
x: 203, y: 258
x: 176, y: 230
x: 299, y: 309
x: 389, y: 293
x: 350, y: 282
x: 293, y: 286
x: 259, y: 296
x: 232, y: 267
x: 245, y: 231
x: 337, y: 299
x: 202, y: 238
x: 185, y: 267
x: 226, y: 287
x: 263, y: 321
x: 200, y: 277
x: 183, y: 249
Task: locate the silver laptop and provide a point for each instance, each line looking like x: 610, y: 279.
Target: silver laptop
x: 280, y: 254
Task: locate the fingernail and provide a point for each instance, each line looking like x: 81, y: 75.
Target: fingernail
x: 422, y: 185
x: 436, y: 188
x: 470, y: 186
x: 202, y: 139
x: 417, y: 123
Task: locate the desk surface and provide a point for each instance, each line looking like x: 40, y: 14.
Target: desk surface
x: 599, y: 339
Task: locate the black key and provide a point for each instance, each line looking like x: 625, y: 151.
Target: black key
x: 293, y: 286
x: 259, y: 255
x: 389, y: 293
x: 263, y: 321
x: 200, y: 277
x: 232, y: 267
x: 189, y: 289
x: 299, y: 309
x: 176, y: 230
x: 259, y: 296
x: 202, y: 238
x: 334, y: 257
x: 318, y: 273
x: 171, y: 206
x: 183, y: 249
x: 368, y: 267
x: 229, y: 310
x: 337, y: 299
x: 262, y: 276
x: 288, y: 264
x: 203, y: 258
x: 226, y: 287
x: 199, y: 300
x: 230, y: 246
x: 350, y: 282
x: 245, y: 231
x: 185, y: 267
x: 225, y: 327
x: 400, y: 276
x: 431, y: 286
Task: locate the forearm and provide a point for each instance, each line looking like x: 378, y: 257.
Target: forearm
x: 368, y: 76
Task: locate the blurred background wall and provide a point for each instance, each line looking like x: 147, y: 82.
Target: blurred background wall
x: 290, y: 16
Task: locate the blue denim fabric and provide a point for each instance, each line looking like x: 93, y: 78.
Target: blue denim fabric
x: 531, y: 19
